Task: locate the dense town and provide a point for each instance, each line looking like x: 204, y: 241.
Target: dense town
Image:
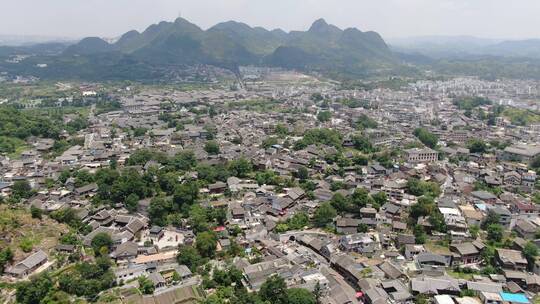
x: 276, y: 187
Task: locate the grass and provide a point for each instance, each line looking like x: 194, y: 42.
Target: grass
x: 460, y: 275
x: 18, y: 225
x: 57, y: 272
x: 115, y: 295
x: 435, y: 248
x: 64, y: 110
x: 521, y: 117
x: 19, y: 147
x: 23, y: 93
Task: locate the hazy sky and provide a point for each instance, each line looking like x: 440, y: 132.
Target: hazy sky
x: 514, y: 19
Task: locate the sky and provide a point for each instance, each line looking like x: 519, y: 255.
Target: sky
x: 500, y: 19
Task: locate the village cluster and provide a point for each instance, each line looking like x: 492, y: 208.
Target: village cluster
x: 423, y: 193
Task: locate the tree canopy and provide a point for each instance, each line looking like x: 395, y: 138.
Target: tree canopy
x: 427, y: 138
x: 320, y: 136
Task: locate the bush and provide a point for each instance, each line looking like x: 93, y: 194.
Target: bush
x: 35, y: 212
x: 427, y: 138
x: 26, y: 245
x: 324, y: 116
x: 101, y: 243
x: 211, y: 147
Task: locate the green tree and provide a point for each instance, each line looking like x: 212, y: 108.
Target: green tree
x: 535, y: 163
x: 337, y: 185
x: 69, y: 238
x: 491, y: 218
x: 298, y: 221
x: 35, y: 212
x: 26, y: 244
x: 363, y: 144
x: 470, y: 103
x: 488, y: 255
x: 282, y: 227
x: 474, y: 230
x: 421, y: 299
x: 302, y: 173
x: 495, y: 232
x: 536, y: 197
x: 113, y: 164
x: 324, y: 116
x: 137, y: 132
x: 235, y: 250
x: 419, y: 234
x: 418, y: 188
x: 360, y: 160
x: 83, y: 177
x: 198, y: 218
x: 33, y: 291
x: 340, y: 203
x: 64, y: 175
x: 274, y: 290
x: 189, y: 256
x: 424, y: 207
x: 281, y: 130
x: 324, y: 215
x: 300, y: 296
x: 240, y: 167
x: 530, y: 251
x: 267, y: 177
x: 218, y: 214
x: 6, y: 256
x: 476, y: 146
x: 21, y: 189
x: 207, y: 173
x: 145, y: 285
x: 131, y: 202
x: 427, y: 138
x: 67, y: 216
x: 436, y: 219
x: 360, y: 198
x: 365, y: 122
x: 185, y: 194
x: 235, y: 230
x: 142, y: 156
x: 362, y: 228
x: 380, y: 198
x: 324, y: 136
x: 211, y: 147
x: 206, y: 243
x: 158, y: 210
x: 176, y: 277
x: 87, y: 279
x: 56, y: 297
x: 101, y: 242
x: 130, y: 181
x: 184, y: 160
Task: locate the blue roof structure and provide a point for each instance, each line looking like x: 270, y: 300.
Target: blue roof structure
x: 514, y: 297
x: 481, y: 206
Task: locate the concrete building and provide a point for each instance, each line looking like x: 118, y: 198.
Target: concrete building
x: 426, y: 155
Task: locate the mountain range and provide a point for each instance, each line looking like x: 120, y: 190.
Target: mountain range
x: 466, y: 46
x: 324, y: 47
x: 167, y: 49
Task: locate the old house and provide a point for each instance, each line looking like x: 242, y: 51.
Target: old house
x: 28, y: 265
x: 510, y: 259
x: 347, y: 225
x: 466, y: 253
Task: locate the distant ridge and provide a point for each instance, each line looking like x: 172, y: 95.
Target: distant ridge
x: 229, y: 44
